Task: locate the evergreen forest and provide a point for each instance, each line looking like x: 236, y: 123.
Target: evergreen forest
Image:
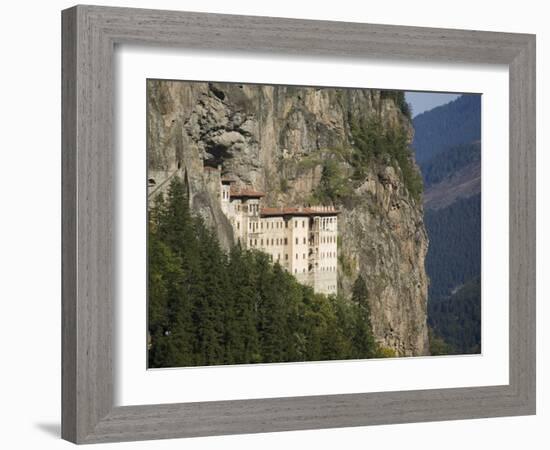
x: 446, y: 141
x: 457, y: 320
x: 207, y: 307
x: 450, y: 125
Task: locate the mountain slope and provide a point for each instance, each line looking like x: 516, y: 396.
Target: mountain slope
x: 452, y: 174
x: 456, y: 123
x: 342, y: 147
x: 457, y: 319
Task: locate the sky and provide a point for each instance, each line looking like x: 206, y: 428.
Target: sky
x: 424, y: 101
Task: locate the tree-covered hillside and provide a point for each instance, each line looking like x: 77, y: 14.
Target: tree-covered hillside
x: 454, y: 253
x: 207, y: 307
x: 446, y: 126
x: 447, y: 163
x: 448, y: 149
x: 457, y: 319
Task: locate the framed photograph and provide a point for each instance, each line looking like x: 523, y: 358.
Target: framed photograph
x: 278, y: 224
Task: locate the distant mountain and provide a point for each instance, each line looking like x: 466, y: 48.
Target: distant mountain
x: 454, y: 252
x: 446, y: 164
x: 448, y: 150
x: 457, y: 319
x: 452, y: 174
x: 455, y: 123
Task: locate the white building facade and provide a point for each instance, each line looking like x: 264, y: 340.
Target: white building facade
x: 304, y: 241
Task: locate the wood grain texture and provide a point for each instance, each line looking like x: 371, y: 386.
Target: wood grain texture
x: 89, y: 36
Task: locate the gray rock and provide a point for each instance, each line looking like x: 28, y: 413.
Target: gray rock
x: 276, y: 139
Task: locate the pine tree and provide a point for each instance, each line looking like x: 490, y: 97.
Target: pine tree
x: 210, y: 302
x: 207, y: 307
x: 272, y: 323
x: 170, y: 327
x: 242, y: 342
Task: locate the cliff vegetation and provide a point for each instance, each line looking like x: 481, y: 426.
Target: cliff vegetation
x: 346, y: 148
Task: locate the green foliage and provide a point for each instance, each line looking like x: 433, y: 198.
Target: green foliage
x: 284, y: 185
x: 457, y: 319
x: 363, y: 336
x: 374, y: 142
x: 334, y: 186
x: 438, y: 346
x: 386, y: 352
x: 207, y: 308
x: 399, y: 98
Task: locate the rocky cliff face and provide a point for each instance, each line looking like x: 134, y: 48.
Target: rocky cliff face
x: 278, y: 139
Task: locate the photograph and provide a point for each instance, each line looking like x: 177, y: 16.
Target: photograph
x: 294, y: 223
x: 248, y: 225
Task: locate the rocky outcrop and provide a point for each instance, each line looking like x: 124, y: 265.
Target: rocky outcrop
x: 278, y: 139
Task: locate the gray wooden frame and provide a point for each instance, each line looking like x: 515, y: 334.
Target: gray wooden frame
x: 89, y: 36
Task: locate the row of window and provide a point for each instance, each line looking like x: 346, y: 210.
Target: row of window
x: 253, y: 227
x: 254, y: 208
x: 270, y: 225
x: 326, y: 222
x: 278, y: 257
x: 277, y: 241
x: 274, y: 241
x: 328, y: 239
x: 323, y: 269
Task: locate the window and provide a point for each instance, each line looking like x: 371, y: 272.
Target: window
x: 304, y: 270
x: 261, y: 242
x: 286, y: 224
x: 262, y: 225
x: 303, y: 223
x: 251, y: 242
x: 277, y: 241
x: 286, y: 241
x: 271, y: 241
x: 296, y: 255
x: 296, y: 241
x: 238, y: 225
x: 304, y: 240
x: 286, y: 256
x: 303, y: 256
x: 255, y: 242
